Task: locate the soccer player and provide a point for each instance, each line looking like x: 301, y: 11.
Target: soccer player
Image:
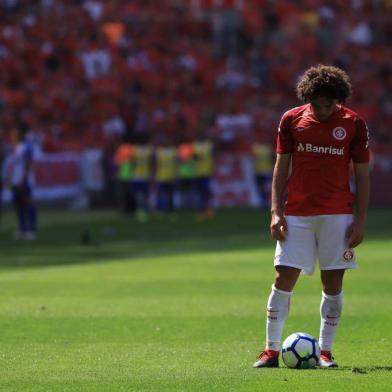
x: 321, y: 218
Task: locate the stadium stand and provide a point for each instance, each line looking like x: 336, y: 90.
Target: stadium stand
x: 82, y: 72
x: 90, y: 74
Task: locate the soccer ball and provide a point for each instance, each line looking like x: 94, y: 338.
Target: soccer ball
x: 300, y: 351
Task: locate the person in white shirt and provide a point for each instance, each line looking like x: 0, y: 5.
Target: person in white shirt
x: 21, y: 181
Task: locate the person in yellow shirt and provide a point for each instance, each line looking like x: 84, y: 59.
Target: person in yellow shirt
x: 263, y: 160
x: 204, y: 168
x: 165, y: 176
x: 142, y: 172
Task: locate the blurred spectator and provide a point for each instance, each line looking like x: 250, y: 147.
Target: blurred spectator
x: 2, y: 159
x: 20, y: 164
x: 263, y: 167
x: 186, y: 175
x: 233, y: 126
x: 141, y: 179
x: 123, y: 159
x: 204, y: 170
x: 165, y: 175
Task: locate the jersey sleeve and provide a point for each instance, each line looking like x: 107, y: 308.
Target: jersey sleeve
x: 284, y: 141
x: 359, y: 147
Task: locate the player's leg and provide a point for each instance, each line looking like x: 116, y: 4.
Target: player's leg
x: 31, y: 222
x: 330, y: 311
x: 204, y: 198
x: 141, y: 192
x: 335, y: 258
x: 278, y: 306
x: 31, y: 214
x: 199, y: 198
x: 160, y: 204
x: 181, y: 193
x: 293, y: 255
x: 19, y: 205
x: 170, y: 188
x: 332, y: 281
x: 1, y: 197
x: 259, y: 180
x: 145, y: 195
x: 263, y: 182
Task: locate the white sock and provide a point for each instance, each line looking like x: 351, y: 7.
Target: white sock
x: 277, y: 311
x: 330, y: 310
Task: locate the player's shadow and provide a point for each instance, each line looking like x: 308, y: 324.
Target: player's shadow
x: 379, y: 368
x: 361, y: 370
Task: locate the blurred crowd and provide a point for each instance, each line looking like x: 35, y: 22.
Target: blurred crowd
x: 91, y: 73
x: 180, y: 176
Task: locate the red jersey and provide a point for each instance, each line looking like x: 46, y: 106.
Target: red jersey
x: 321, y: 155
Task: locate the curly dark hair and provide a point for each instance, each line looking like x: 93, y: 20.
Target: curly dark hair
x: 324, y: 81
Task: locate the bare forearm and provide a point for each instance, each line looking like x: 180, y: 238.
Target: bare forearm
x: 361, y: 198
x: 279, y: 181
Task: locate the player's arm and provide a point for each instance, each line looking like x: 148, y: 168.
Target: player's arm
x: 360, y: 156
x: 281, y: 171
x: 356, y: 230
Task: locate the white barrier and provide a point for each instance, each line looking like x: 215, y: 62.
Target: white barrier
x: 56, y: 176
x: 233, y: 183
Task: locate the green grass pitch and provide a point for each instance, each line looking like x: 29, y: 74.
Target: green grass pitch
x: 176, y: 305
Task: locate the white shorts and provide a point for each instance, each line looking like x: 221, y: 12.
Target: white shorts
x: 321, y: 237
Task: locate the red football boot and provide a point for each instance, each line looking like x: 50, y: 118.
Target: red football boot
x: 268, y: 359
x: 326, y: 360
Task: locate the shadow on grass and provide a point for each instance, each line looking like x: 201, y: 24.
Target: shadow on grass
x: 350, y: 369
x: 379, y: 368
x: 360, y: 370
x: 70, y: 238
x: 110, y: 236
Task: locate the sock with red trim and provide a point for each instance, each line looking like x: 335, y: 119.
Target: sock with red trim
x: 277, y: 311
x: 330, y: 311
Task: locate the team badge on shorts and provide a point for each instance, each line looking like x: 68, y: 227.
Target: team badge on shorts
x: 348, y: 255
x: 339, y: 133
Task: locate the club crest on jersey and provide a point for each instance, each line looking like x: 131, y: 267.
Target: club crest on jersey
x: 348, y: 255
x: 339, y: 133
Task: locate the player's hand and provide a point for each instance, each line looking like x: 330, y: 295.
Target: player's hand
x: 354, y: 234
x: 278, y: 227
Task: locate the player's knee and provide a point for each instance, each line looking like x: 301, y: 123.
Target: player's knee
x: 332, y: 281
x: 332, y: 288
x: 286, y: 278
x: 278, y: 305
